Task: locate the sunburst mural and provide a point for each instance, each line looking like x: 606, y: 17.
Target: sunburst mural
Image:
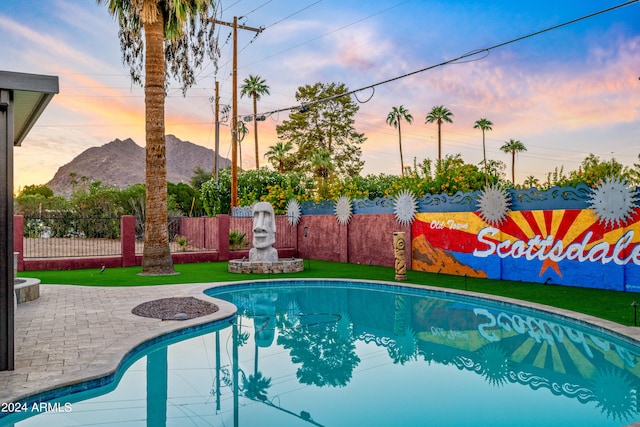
x: 596, y: 247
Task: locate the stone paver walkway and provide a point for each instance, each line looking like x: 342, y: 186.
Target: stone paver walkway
x: 77, y: 333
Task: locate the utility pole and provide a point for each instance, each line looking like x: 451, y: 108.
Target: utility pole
x: 234, y: 105
x: 217, y: 122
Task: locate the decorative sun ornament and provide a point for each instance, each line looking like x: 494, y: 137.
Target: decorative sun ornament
x: 343, y: 210
x: 405, y: 207
x: 293, y: 212
x: 613, y: 391
x: 493, y: 364
x: 493, y: 205
x: 613, y: 201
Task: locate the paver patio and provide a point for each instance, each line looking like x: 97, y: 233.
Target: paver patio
x: 77, y: 333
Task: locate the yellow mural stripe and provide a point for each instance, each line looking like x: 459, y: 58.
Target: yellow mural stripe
x: 471, y: 342
x: 541, y: 356
x: 584, y: 220
x: 522, y: 223
x: 636, y: 368
x: 521, y: 352
x: 556, y: 359
x: 582, y: 363
x: 613, y: 358
x: 556, y: 220
x: 539, y: 217
x: 615, y: 234
x: 635, y: 227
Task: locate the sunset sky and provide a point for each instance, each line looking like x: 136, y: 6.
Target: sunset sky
x: 564, y: 93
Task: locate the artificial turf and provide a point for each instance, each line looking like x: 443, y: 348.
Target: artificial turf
x: 611, y: 305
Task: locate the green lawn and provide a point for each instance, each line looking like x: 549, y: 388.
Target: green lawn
x: 610, y: 305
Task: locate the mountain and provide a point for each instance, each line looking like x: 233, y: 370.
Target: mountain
x: 122, y: 163
x: 434, y: 260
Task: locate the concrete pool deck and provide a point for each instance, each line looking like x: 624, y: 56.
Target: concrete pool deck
x: 72, y: 334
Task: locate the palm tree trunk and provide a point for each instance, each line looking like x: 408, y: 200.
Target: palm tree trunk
x: 255, y: 128
x: 400, y: 143
x: 156, y: 258
x: 439, y: 140
x: 513, y: 167
x: 484, y: 154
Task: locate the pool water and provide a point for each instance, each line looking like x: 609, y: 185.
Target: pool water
x: 337, y: 354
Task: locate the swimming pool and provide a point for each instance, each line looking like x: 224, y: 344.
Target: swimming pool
x: 332, y: 353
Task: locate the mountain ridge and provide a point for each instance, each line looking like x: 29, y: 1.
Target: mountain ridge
x: 121, y: 163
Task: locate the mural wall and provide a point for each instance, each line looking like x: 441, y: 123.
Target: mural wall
x: 596, y: 247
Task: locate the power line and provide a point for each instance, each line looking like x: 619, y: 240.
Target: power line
x: 332, y: 32
x: 293, y: 14
x: 457, y: 59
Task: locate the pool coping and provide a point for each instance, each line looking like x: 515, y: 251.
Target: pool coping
x: 132, y: 333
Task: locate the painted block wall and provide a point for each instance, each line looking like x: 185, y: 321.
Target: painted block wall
x: 568, y: 247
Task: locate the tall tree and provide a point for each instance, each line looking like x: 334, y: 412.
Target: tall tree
x: 395, y: 116
x: 161, y: 36
x: 322, y: 170
x: 255, y: 86
x: 531, y: 181
x: 439, y: 114
x: 279, y: 155
x: 325, y: 121
x: 484, y: 125
x: 513, y: 147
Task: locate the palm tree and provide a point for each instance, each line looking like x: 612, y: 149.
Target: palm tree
x: 241, y: 132
x: 255, y: 86
x: 439, y: 114
x: 153, y: 32
x: 393, y: 119
x: 279, y: 154
x: 531, y: 181
x: 513, y: 147
x: 484, y: 125
x: 323, y: 168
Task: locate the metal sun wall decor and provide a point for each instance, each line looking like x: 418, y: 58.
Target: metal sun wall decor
x: 293, y: 212
x: 493, y: 205
x: 343, y: 210
x: 613, y: 201
x: 406, y: 207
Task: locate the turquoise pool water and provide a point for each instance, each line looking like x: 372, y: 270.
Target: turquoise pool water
x: 338, y: 354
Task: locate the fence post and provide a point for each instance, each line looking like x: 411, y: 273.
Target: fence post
x: 224, y: 223
x: 18, y: 239
x: 128, y: 240
x: 343, y: 243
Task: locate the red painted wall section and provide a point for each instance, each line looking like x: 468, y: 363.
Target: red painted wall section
x: 128, y: 240
x: 323, y: 238
x: 371, y: 239
x: 191, y: 228
x: 343, y: 245
x: 223, y: 230
x: 367, y: 239
x: 212, y: 233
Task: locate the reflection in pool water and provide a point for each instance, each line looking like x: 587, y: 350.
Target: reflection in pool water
x: 334, y: 354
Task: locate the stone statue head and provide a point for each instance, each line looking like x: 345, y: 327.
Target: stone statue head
x: 264, y: 225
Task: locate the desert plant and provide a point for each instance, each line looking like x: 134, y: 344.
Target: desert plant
x: 182, y: 242
x: 237, y: 240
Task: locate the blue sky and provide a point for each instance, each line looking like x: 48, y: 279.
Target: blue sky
x: 564, y: 94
